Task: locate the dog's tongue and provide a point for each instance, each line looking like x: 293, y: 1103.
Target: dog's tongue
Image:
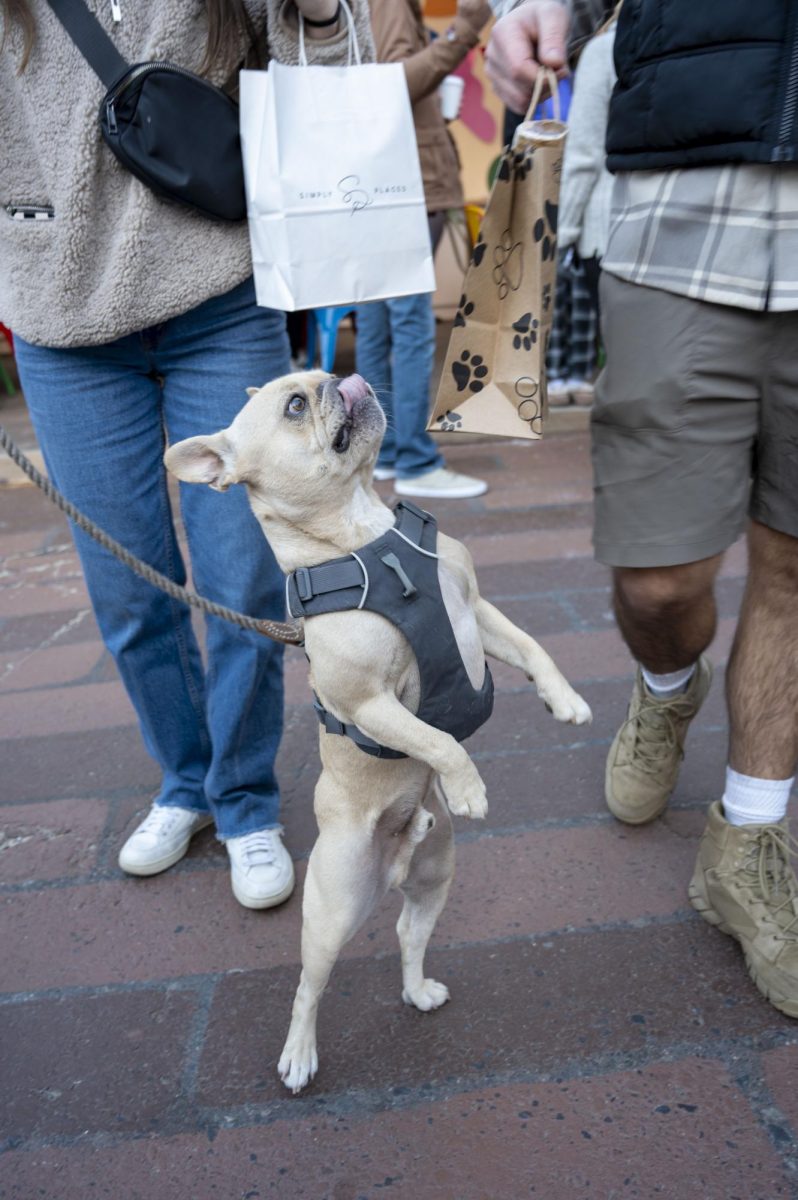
x: 353, y: 388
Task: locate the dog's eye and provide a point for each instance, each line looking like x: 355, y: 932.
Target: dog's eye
x: 296, y: 405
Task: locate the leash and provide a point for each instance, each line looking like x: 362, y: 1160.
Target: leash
x: 278, y: 631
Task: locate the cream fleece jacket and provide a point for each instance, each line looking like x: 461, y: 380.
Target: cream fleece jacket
x: 115, y: 258
x: 586, y: 185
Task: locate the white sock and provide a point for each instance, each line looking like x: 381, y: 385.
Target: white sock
x: 749, y: 801
x: 663, y: 686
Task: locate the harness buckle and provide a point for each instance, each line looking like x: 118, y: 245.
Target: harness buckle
x: 304, y: 588
x: 394, y: 564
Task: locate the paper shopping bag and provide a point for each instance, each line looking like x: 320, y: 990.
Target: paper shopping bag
x: 493, y: 379
x: 335, y: 198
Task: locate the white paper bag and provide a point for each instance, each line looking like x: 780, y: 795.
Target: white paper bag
x: 334, y: 192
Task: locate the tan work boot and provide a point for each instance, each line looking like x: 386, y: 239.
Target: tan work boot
x: 644, y: 760
x: 744, y: 884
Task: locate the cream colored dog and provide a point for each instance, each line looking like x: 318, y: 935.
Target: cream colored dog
x: 305, y: 447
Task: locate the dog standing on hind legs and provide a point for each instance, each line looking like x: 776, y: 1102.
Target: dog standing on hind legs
x: 305, y: 447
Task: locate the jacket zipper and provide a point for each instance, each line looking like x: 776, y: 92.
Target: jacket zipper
x: 782, y: 152
x: 143, y: 69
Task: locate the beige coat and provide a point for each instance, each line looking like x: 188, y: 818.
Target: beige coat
x: 115, y: 258
x: 400, y: 36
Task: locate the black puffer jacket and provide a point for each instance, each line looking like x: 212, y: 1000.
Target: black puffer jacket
x: 704, y: 81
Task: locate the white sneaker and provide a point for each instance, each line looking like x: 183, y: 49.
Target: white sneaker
x: 581, y: 391
x: 261, y: 869
x: 161, y: 839
x: 441, y: 483
x: 559, y: 391
x: 381, y: 473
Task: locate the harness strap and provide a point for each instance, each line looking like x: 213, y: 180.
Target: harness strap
x: 333, y: 725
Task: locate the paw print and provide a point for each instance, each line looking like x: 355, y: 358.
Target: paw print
x: 525, y: 332
x: 509, y: 265
x: 464, y: 310
x: 546, y: 298
x: 468, y: 366
x: 450, y: 421
x: 505, y: 170
x: 522, y: 163
x: 540, y: 234
x: 478, y: 253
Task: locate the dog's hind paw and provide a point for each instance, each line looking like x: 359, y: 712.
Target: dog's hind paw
x: 430, y: 995
x: 298, y: 1064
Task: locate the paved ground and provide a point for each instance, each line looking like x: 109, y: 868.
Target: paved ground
x: 601, y: 1040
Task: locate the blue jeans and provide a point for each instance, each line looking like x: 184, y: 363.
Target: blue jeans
x: 395, y: 352
x: 101, y: 414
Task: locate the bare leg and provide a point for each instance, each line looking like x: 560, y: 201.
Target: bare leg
x: 426, y: 888
x: 762, y: 678
x: 667, y: 615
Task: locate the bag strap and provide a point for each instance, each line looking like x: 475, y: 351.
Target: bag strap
x: 544, y: 76
x: 91, y: 39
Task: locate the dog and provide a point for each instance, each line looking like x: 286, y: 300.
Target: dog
x: 304, y: 446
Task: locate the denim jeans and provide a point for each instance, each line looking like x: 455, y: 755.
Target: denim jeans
x: 395, y: 352
x: 101, y: 414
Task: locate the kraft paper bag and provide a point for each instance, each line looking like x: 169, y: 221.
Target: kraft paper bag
x: 493, y: 379
x: 335, y: 200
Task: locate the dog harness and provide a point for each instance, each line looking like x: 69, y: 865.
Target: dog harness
x: 396, y: 576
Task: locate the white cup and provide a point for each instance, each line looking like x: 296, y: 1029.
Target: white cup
x: 451, y: 94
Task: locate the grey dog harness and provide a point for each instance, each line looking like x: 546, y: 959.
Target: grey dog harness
x: 396, y: 576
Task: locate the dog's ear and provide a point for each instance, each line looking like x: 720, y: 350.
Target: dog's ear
x: 252, y: 392
x: 208, y: 460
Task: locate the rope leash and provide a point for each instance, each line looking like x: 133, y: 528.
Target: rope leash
x: 278, y: 631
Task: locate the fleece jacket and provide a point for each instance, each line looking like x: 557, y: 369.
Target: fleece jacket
x: 114, y: 258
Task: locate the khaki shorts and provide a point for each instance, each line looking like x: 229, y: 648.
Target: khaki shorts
x: 695, y: 425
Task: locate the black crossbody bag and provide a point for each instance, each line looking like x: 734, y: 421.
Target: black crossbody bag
x: 174, y: 131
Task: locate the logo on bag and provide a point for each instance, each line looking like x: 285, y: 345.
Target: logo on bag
x: 353, y: 194
x: 529, y: 407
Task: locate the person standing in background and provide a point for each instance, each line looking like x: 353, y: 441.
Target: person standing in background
x: 395, y: 346
x: 135, y: 319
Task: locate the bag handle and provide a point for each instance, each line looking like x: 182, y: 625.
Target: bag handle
x: 91, y: 39
x: 545, y: 75
x: 353, y: 50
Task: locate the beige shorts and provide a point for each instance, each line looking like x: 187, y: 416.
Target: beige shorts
x: 695, y: 425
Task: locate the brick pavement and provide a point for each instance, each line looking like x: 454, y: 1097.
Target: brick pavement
x: 601, y: 1040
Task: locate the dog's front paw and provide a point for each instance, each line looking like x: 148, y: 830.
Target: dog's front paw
x: 564, y: 703
x: 298, y: 1063
x: 465, y: 792
x: 430, y: 995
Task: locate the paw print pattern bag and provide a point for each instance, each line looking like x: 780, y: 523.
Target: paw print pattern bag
x: 493, y: 379
x: 334, y: 193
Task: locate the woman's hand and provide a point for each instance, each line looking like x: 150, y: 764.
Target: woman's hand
x: 476, y: 12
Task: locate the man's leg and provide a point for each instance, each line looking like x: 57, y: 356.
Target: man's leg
x: 667, y: 617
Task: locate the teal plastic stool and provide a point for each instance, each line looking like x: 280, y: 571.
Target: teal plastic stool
x: 323, y: 328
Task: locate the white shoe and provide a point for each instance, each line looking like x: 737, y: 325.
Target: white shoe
x: 161, y: 839
x: 261, y: 869
x: 381, y: 473
x: 559, y: 391
x: 581, y: 391
x: 441, y: 483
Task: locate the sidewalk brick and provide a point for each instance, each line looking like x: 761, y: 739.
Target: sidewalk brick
x: 66, y: 628
x: 525, y: 1006
x: 68, y: 710
x: 50, y: 841
x: 781, y: 1071
x: 92, y: 1062
x: 25, y: 670
x: 672, y: 1130
x: 72, y: 764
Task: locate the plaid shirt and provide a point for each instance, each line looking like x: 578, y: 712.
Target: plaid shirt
x: 726, y: 234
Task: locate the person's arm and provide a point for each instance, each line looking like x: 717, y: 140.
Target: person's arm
x: 394, y: 29
x: 583, y: 162
x: 533, y: 34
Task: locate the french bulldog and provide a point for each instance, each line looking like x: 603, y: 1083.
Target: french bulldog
x: 304, y: 446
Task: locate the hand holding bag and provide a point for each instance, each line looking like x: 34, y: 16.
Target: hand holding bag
x: 172, y: 129
x: 493, y: 379
x: 334, y: 193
